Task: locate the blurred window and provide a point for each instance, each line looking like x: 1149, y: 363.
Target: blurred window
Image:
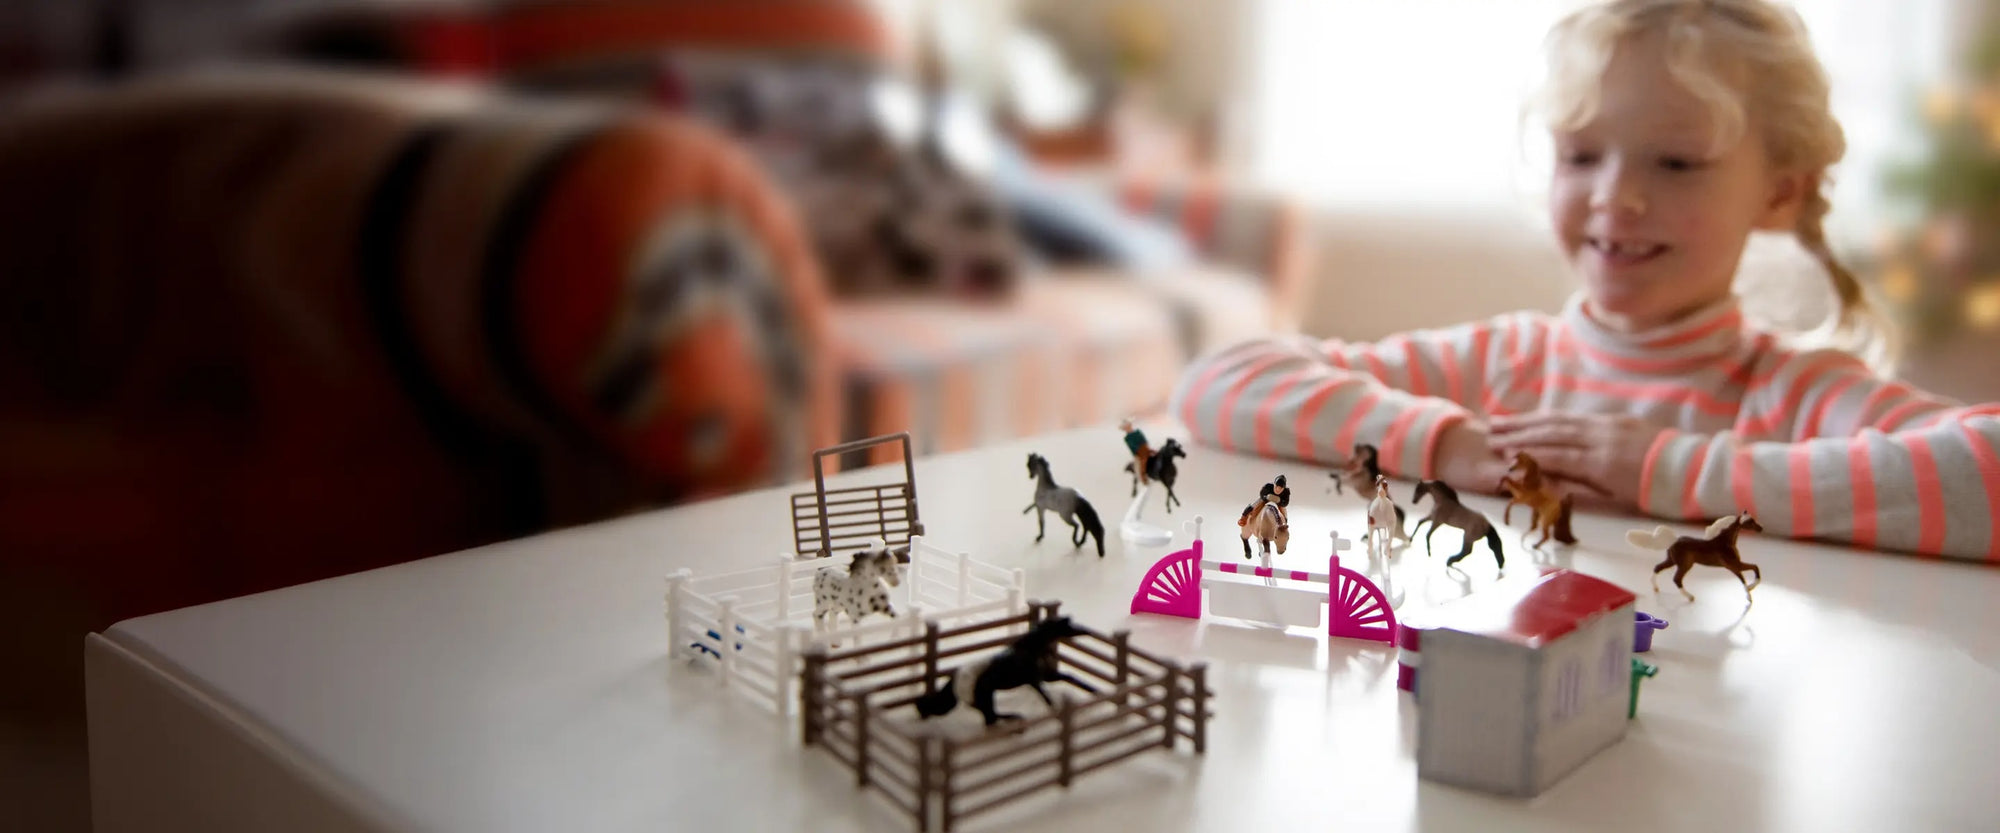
x: 1372, y: 103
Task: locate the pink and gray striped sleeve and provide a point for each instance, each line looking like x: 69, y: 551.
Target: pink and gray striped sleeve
x: 1314, y: 400
x: 1826, y: 450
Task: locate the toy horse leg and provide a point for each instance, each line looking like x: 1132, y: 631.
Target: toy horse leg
x: 1742, y: 568
x: 1040, y: 527
x: 1660, y: 568
x: 1059, y: 675
x: 1681, y: 572
x: 1037, y: 686
x: 982, y: 699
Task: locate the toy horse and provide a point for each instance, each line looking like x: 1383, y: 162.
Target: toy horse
x: 1265, y: 521
x: 1449, y: 512
x: 859, y: 591
x: 1069, y: 506
x: 1030, y: 661
x: 1546, y: 511
x: 1385, y: 520
x: 1361, y: 468
x: 1716, y: 550
x: 1159, y: 467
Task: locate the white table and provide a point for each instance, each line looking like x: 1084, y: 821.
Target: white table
x: 526, y: 686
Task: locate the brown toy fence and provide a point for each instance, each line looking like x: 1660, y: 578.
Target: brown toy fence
x: 1144, y: 702
x: 828, y: 521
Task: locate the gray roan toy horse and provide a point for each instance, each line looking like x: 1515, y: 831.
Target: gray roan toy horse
x: 1066, y: 503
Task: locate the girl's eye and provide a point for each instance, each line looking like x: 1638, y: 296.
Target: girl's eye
x: 1680, y: 163
x: 1579, y: 158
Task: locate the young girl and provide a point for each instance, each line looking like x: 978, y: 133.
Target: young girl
x: 1680, y: 127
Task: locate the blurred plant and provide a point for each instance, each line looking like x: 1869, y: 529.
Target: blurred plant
x: 1941, y: 268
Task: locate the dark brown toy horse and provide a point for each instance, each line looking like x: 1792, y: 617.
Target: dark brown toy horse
x: 1718, y: 549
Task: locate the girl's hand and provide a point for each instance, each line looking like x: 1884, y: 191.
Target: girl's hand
x: 1609, y: 451
x: 1465, y: 458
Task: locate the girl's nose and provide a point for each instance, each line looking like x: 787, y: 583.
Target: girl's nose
x: 1618, y: 192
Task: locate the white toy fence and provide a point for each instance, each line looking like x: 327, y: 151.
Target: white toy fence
x: 753, y: 625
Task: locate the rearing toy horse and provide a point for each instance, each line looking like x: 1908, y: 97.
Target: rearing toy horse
x: 1030, y: 661
x: 1546, y: 511
x: 1159, y: 467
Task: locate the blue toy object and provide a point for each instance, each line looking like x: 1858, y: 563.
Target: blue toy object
x: 703, y: 647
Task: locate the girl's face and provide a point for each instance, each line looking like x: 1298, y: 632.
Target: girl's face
x: 1648, y: 210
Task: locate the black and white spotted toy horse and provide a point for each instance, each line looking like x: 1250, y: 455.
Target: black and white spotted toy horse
x: 859, y: 591
x: 1030, y: 661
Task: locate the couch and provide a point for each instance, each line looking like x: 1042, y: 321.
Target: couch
x: 270, y: 327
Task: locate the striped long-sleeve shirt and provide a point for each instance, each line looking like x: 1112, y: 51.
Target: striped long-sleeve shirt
x: 1808, y: 440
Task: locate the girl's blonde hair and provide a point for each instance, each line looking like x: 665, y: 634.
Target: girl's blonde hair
x: 1739, y: 57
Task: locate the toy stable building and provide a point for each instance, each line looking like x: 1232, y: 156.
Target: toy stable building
x: 1523, y: 682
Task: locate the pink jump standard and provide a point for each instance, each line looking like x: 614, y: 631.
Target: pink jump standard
x: 1356, y: 608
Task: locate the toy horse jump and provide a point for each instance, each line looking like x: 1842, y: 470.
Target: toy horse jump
x: 1449, y: 512
x: 1718, y: 549
x: 1029, y: 661
x: 1546, y: 511
x: 1069, y: 506
x: 1159, y: 467
x: 857, y: 592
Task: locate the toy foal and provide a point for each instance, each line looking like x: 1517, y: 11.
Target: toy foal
x: 1718, y: 549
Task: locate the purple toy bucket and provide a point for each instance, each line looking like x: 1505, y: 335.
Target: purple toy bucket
x: 1642, y: 632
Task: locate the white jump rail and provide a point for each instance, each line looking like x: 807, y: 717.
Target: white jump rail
x: 752, y: 625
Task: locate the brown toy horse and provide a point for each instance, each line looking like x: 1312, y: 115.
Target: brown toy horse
x: 1718, y: 549
x: 1547, y: 512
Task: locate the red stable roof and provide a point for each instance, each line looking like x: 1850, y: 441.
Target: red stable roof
x: 1533, y: 612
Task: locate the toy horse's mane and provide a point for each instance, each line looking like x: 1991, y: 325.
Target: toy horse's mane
x: 875, y: 549
x: 1046, y: 630
x: 1722, y: 525
x: 1442, y: 490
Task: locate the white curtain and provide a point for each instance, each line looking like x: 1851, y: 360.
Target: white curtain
x: 1403, y: 103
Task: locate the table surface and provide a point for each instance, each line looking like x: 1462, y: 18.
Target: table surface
x: 527, y: 685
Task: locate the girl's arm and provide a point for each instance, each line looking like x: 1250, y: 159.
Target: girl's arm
x: 1295, y: 397
x: 1852, y: 458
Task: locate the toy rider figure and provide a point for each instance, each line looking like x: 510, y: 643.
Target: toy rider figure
x: 1273, y: 492
x: 1142, y: 453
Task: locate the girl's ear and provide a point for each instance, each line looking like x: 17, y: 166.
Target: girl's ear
x: 1784, y: 199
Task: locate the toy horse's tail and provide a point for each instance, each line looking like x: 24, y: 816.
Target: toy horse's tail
x: 1493, y: 543
x: 1088, y: 517
x: 1659, y: 539
x: 940, y: 701
x: 1563, y: 535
